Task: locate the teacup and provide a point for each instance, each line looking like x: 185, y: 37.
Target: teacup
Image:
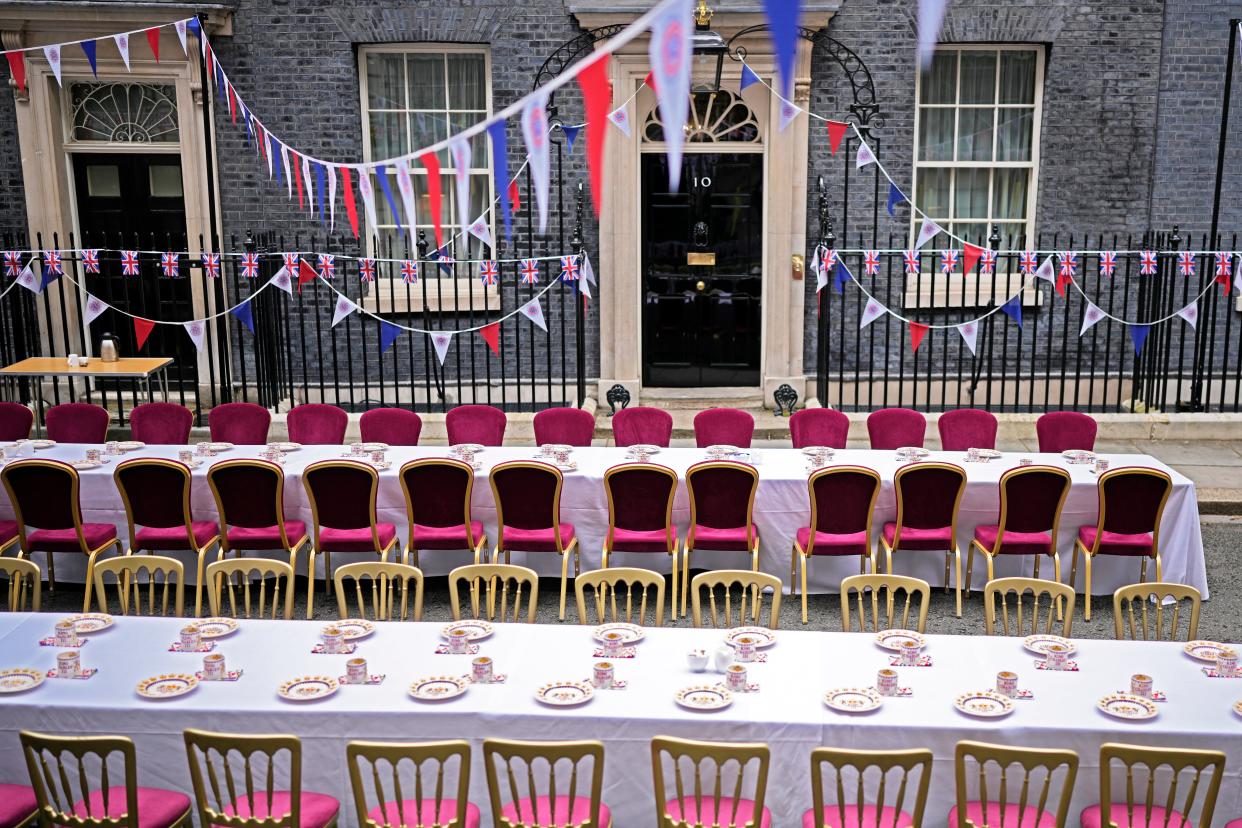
x: 333, y: 639
x: 1007, y: 683
x: 1056, y: 656
x: 735, y: 677
x: 68, y: 663
x: 886, y: 682
x: 356, y: 671
x: 745, y: 647
x: 459, y: 641
x: 191, y: 639
x: 66, y: 634
x: 213, y: 666
x: 602, y: 675
x: 1141, y: 685
x: 908, y: 655
x: 481, y: 670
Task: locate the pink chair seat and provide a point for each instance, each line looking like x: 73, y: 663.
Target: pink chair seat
x: 172, y: 538
x: 265, y: 537
x: 641, y: 540
x: 8, y: 531
x: 723, y: 540
x: 1016, y: 543
x: 446, y: 537
x: 1032, y: 817
x: 888, y: 817
x: 66, y: 540
x: 157, y: 808
x: 703, y: 812
x: 17, y: 804
x: 545, y: 813
x: 1138, y: 819
x: 537, y: 540
x: 1237, y: 823
x: 317, y: 809
x: 1118, y: 543
x: 410, y: 812
x: 938, y: 539
x: 831, y: 543
x: 355, y: 540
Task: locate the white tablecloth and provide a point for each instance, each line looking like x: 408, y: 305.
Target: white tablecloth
x: 781, y: 507
x: 787, y: 712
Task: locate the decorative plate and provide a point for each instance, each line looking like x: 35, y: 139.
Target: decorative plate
x: 704, y: 697
x: 722, y: 448
x: 42, y: 444
x: 8, y: 444
x: 1126, y: 706
x: 477, y: 630
x: 812, y: 450
x: 473, y: 448
x: 1078, y: 455
x: 375, y: 446
x: 630, y: 633
x: 308, y: 688
x: 220, y: 446
x: 1205, y: 650
x: 166, y: 686
x: 131, y: 445
x: 912, y: 451
x: 91, y: 622
x: 19, y: 680
x: 1237, y: 707
x: 216, y: 627
x: 438, y: 688
x: 987, y: 704
x: 553, y: 448
x: 83, y: 465
x: 646, y: 448
x: 894, y: 639
x: 1039, y: 643
x: 354, y: 628
x: 286, y: 445
x: 991, y: 454
x: 571, y: 466
x: 762, y: 635
x: 853, y: 700
x: 565, y: 693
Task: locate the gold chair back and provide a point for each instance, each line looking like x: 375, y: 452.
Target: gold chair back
x: 1149, y: 624
x: 708, y: 778
x: 749, y: 586
x: 636, y: 589
x: 496, y: 585
x: 25, y: 583
x: 900, y: 778
x: 574, y: 770
x: 1172, y: 779
x: 393, y: 588
x: 133, y: 575
x: 1060, y: 604
x: 388, y: 777
x: 68, y: 770
x: 1008, y: 777
x: 235, y: 774
x: 882, y: 593
x: 244, y: 581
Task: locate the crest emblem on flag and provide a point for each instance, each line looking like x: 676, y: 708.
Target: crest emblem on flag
x: 366, y: 270
x: 170, y: 263
x: 53, y: 263
x: 211, y: 265
x: 1186, y: 263
x: 250, y: 265
x: 1147, y: 263
x: 948, y: 261
x: 987, y: 262
x: 90, y: 261
x: 489, y: 272
x: 1108, y: 262
x: 569, y: 268
x: 530, y: 271
x: 327, y: 265
x: 12, y: 263
x: 911, y: 260
x: 409, y: 272
x: 871, y: 262
x: 129, y: 262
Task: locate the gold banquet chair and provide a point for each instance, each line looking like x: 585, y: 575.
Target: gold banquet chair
x: 883, y: 593
x: 393, y: 587
x: 491, y: 587
x: 1154, y: 611
x: 159, y: 575
x: 1027, y: 622
x: 602, y: 588
x: 1014, y: 786
x: 25, y: 582
x: 246, y: 582
x: 1161, y: 787
x: 572, y: 793
x: 896, y: 772
x: 411, y: 784
x: 751, y: 587
x: 709, y: 783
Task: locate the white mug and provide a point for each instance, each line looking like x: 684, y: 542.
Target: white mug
x: 73, y: 361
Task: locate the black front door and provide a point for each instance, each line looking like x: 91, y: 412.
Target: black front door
x: 702, y: 270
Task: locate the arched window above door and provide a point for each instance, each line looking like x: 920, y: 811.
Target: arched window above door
x: 124, y: 113
x: 715, y: 117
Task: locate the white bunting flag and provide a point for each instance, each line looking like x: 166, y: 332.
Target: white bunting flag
x: 533, y: 311
x: 368, y: 196
x: 822, y: 266
x: 284, y: 158
x: 670, y: 53
x: 441, y: 341
x: 535, y: 133
x: 588, y: 272
x: 1237, y: 254
x: 122, y: 46
x: 306, y: 182
x: 789, y: 111
x: 283, y: 280
x: 180, y: 27
x: 480, y: 229
x: 872, y: 311
x: 405, y: 185
x: 1048, y: 272
x: 197, y: 332
x: 620, y: 118
x: 459, y: 148
x: 52, y: 53
x: 1190, y: 313
x: 92, y: 309
x: 927, y: 232
x: 331, y: 196
x: 1090, y: 317
x: 344, y: 307
x: 970, y: 334
x: 584, y: 288
x: 865, y: 156
x: 931, y: 17
x: 28, y: 279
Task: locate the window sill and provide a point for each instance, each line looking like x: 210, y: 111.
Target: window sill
x: 939, y: 292
x: 390, y: 296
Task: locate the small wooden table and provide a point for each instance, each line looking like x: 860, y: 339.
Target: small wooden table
x: 139, y: 368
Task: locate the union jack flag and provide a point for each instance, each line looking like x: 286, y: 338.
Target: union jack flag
x: 409, y: 272
x: 129, y: 262
x: 1028, y: 262
x: 569, y: 268
x: 52, y: 262
x: 987, y: 263
x: 90, y: 261
x: 530, y: 271
x: 829, y: 260
x: 211, y: 265
x: 327, y: 265
x: 948, y: 261
x: 1224, y: 264
x: 911, y: 260
x: 1069, y: 264
x: 170, y: 264
x: 871, y: 262
x: 1186, y: 263
x: 366, y: 270
x: 12, y: 263
x: 1147, y: 263
x: 291, y: 262
x: 250, y: 265
x: 1108, y: 262
x: 489, y: 272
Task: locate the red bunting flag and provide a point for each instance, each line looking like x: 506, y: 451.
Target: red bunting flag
x: 917, y: 332
x: 142, y: 329
x: 597, y: 95
x: 649, y: 81
x: 232, y: 101
x: 17, y: 65
x: 351, y: 208
x: 515, y: 196
x: 432, y: 165
x: 153, y: 38
x: 836, y: 131
x: 306, y: 273
x: 491, y: 335
x: 970, y: 257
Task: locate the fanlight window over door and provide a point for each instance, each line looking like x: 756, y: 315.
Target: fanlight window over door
x: 124, y: 113
x: 719, y: 116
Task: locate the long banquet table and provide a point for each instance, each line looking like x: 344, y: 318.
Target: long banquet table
x: 781, y: 507
x: 787, y: 712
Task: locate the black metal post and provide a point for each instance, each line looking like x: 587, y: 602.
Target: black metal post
x: 213, y: 229
x: 579, y: 301
x: 821, y: 338
x: 1234, y: 26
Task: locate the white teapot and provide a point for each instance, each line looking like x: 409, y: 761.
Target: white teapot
x: 723, y: 658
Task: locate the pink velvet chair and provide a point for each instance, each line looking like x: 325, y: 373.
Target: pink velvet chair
x: 394, y: 426
x: 161, y: 424
x: 317, y: 424
x: 156, y: 494
x: 18, y: 806
x: 894, y: 428
x: 723, y: 426
x: 528, y: 515
x: 842, y: 503
x: 342, y: 496
x: 16, y: 420
x: 1060, y: 431
x: 642, y: 426
x: 819, y: 427
x: 722, y: 508
x: 250, y: 502
x: 1131, y: 504
x: 437, y: 507
x: 640, y: 513
x: 242, y: 423
x: 928, y: 497
x: 567, y: 426
x: 967, y: 428
x: 77, y: 423
x: 482, y: 424
x: 1031, y: 498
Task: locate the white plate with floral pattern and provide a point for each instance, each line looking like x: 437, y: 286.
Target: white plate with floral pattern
x: 895, y: 639
x: 762, y: 635
x: 912, y: 451
x: 1127, y: 706
x: 216, y: 627
x: 354, y: 628
x: 85, y: 465
x: 221, y: 446
x: 90, y: 622
x: 1039, y: 643
x: 1205, y: 650
x: 630, y: 633
x: 286, y: 445
x: 704, y: 697
x: 475, y: 630
x: 370, y: 447
x: 470, y: 448
x: 438, y: 688
x: 308, y: 688
x: 20, y: 679
x: 166, y: 686
x: 565, y: 693
x: 131, y: 445
x: 853, y: 700
x: 38, y: 445
x: 644, y: 448
x: 986, y: 704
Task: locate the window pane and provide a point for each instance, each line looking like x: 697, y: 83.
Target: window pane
x: 467, y: 83
x: 978, y: 77
x: 384, y: 81
x: 387, y: 134
x: 974, y: 139
x: 382, y: 212
x: 480, y: 150
x: 936, y: 135
x: 103, y: 181
x: 164, y: 180
x: 426, y: 79
x: 1013, y: 135
x: 427, y: 128
x: 1009, y: 200
x: 971, y: 194
x: 973, y: 232
x: 937, y: 85
x: 1017, y: 81
x: 933, y: 192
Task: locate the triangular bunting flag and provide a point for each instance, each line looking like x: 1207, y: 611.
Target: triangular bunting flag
x: 17, y: 66
x: 865, y: 156
x: 321, y: 184
x: 649, y: 81
x: 28, y: 279
x: 381, y: 175
x: 1047, y: 271
x: 789, y: 111
x: 305, y: 179
x: 306, y: 273
x: 142, y: 330
x: 122, y: 46
x: 367, y: 190
x: 92, y: 309
x: 872, y: 311
x: 344, y: 307
x: 895, y: 197
x: 195, y: 28
x: 1138, y: 335
x: 197, y: 332
x: 1190, y: 313
x: 332, y: 198
x: 749, y: 78
x: 1013, y: 309
x: 597, y: 98
x: 970, y: 257
x: 431, y: 164
x: 533, y: 311
x: 621, y: 120
x: 836, y: 131
x: 970, y: 335
x: 480, y: 229
x: 245, y: 314
x: 931, y: 17
x: 927, y: 231
x: 52, y: 53
x: 917, y: 331
x: 588, y: 272
x: 500, y: 170
x: 782, y: 18
x: 441, y: 341
x: 284, y: 159
x: 491, y: 335
x: 535, y: 134
x: 351, y: 206
x: 283, y: 279
x: 841, y: 275
x: 1090, y: 317
x: 153, y: 40
x: 405, y: 185
x: 670, y: 53
x: 388, y: 335
x: 459, y: 149
x: 89, y: 48
x: 180, y: 27
x: 571, y: 135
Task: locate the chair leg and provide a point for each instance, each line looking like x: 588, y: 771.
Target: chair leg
x: 676, y: 573
x: 603, y: 560
x: 198, y: 584
x: 793, y: 557
x: 310, y: 589
x: 51, y: 571
x: 685, y: 577
x: 957, y: 555
x: 970, y: 566
x: 90, y: 580
x: 802, y: 559
x: 1086, y: 603
x: 991, y: 567
x: 564, y: 580
x: 1159, y: 568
